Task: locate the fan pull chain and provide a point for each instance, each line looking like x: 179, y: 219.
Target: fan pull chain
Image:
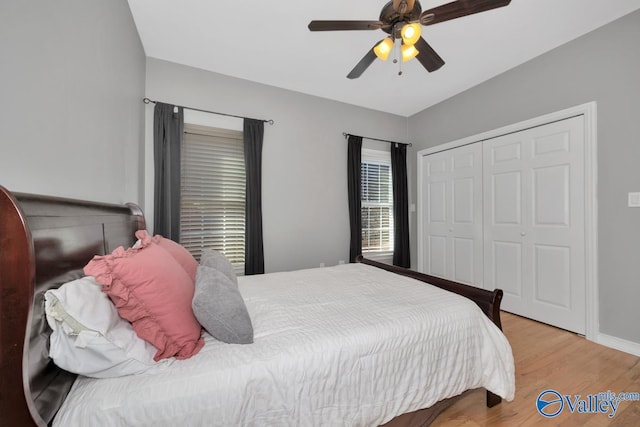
x: 398, y: 54
x: 396, y: 49
x: 398, y: 58
x: 395, y: 52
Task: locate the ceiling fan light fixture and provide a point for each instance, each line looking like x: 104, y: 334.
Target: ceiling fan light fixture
x: 411, y: 33
x: 383, y: 49
x: 409, y: 51
x: 402, y: 19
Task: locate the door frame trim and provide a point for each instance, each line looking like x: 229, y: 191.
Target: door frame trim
x: 589, y: 112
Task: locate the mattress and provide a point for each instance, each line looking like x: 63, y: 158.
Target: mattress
x: 350, y: 345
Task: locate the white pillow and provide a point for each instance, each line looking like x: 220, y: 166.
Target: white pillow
x: 89, y: 337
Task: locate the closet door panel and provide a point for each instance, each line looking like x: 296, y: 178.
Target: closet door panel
x: 451, y: 245
x: 552, y: 263
x: 506, y: 201
x: 551, y: 192
x: 534, y: 235
x: 437, y: 259
x: 506, y: 267
x: 463, y: 260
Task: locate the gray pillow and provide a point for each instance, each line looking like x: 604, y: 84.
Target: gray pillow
x: 219, y: 307
x: 215, y: 259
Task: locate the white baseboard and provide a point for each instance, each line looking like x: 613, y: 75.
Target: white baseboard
x: 619, y: 344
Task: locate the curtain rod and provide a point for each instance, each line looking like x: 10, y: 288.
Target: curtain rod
x: 346, y: 135
x: 147, y: 101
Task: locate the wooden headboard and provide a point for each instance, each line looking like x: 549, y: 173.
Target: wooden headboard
x: 45, y: 242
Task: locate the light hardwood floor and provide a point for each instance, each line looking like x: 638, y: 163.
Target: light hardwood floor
x: 550, y: 358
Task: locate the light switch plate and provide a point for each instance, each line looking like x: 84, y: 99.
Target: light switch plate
x: 634, y: 200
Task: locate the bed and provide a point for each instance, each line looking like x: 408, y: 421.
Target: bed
x: 401, y: 374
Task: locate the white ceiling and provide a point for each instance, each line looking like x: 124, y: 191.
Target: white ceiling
x: 268, y: 42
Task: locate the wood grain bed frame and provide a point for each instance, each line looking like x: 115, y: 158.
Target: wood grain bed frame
x: 45, y: 242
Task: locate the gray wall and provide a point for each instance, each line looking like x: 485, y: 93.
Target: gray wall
x: 73, y: 74
x: 71, y: 80
x: 304, y: 194
x: 601, y: 66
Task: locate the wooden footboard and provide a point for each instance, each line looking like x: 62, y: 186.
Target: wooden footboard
x: 488, y: 301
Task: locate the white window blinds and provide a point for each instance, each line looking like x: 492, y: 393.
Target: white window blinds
x: 377, y: 202
x: 213, y: 193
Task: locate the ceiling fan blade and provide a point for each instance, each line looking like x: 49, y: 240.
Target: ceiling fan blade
x: 363, y: 64
x: 397, y: 4
x: 458, y: 9
x: 427, y: 56
x: 344, y: 25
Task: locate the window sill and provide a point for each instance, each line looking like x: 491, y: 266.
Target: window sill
x: 385, y: 257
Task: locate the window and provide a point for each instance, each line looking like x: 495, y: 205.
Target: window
x: 377, y: 202
x: 212, y: 211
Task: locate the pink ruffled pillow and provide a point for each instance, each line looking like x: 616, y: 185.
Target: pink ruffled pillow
x: 153, y: 292
x: 184, y: 258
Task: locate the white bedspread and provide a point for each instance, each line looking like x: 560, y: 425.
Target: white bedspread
x: 350, y: 345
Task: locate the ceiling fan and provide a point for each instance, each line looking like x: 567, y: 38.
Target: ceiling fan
x: 402, y: 20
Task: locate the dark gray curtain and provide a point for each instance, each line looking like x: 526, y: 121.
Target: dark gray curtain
x: 253, y: 134
x: 401, y: 255
x: 354, y: 182
x: 167, y: 142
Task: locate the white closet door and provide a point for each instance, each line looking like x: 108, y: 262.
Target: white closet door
x: 534, y: 212
x: 451, y: 214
